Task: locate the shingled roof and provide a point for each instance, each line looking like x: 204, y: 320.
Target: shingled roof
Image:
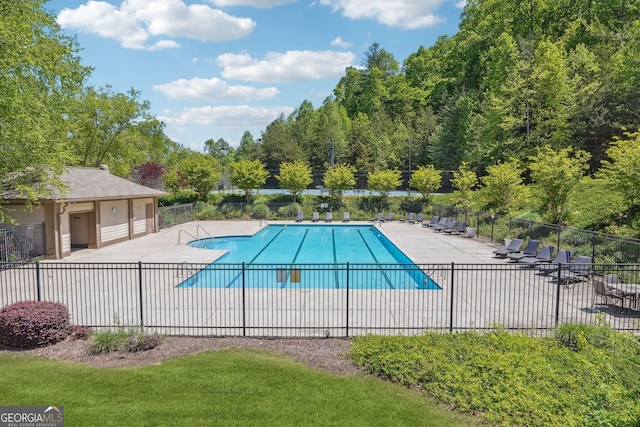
x: 96, y: 184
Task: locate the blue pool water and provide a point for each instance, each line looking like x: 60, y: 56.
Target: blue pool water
x: 310, y: 256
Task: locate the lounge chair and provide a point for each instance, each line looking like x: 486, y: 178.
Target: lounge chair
x: 458, y: 229
x: 545, y: 255
x: 378, y: 217
x: 387, y: 218
x: 578, y: 270
x: 441, y: 222
x: 315, y: 217
x: 299, y: 216
x: 563, y: 257
x: 409, y: 217
x: 602, y: 290
x: 328, y: 217
x: 433, y: 221
x: 345, y: 216
x: 514, y: 246
x: 530, y: 250
x: 418, y: 219
x: 449, y: 225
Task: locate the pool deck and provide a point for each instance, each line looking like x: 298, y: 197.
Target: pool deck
x: 422, y: 245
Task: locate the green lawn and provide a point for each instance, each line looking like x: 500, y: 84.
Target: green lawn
x: 213, y: 388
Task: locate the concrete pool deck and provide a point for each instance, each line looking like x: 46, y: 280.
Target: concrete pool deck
x: 422, y: 245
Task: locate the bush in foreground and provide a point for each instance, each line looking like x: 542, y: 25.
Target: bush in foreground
x: 582, y: 376
x: 29, y: 324
x: 123, y: 340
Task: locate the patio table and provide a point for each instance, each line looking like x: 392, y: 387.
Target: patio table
x: 629, y: 291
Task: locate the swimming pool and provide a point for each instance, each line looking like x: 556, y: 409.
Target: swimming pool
x: 310, y: 256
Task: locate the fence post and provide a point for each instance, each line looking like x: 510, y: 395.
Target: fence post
x: 451, y: 302
x: 244, y: 310
x: 347, y: 314
x: 559, y: 233
x: 38, y: 284
x: 140, y: 296
x: 558, y: 294
x: 594, y: 241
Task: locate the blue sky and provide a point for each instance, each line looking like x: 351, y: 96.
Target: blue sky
x: 215, y: 68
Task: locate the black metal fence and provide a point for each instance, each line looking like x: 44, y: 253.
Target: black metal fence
x: 175, y: 214
x: 23, y: 243
x: 602, y: 248
x: 321, y: 300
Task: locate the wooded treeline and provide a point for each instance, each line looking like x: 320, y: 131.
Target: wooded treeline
x: 517, y: 76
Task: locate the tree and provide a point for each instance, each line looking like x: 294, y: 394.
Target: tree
x: 247, y: 175
x: 623, y: 168
x: 384, y: 181
x: 40, y: 74
x: 102, y: 129
x: 149, y: 174
x: 201, y: 174
x: 503, y: 186
x: 555, y: 174
x: 426, y: 179
x: 339, y: 179
x: 295, y: 177
x: 463, y: 181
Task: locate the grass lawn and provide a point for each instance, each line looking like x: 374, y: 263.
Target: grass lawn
x: 213, y: 388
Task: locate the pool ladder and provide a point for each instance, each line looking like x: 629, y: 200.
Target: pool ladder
x: 186, y: 271
x: 196, y: 237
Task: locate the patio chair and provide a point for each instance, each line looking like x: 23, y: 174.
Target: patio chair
x: 387, y: 218
x: 345, y: 217
x: 409, y: 217
x: 328, y: 217
x: 441, y: 222
x: 315, y: 217
x: 449, y: 225
x: 300, y: 216
x: 530, y: 250
x: 545, y: 255
x: 578, y: 270
x: 418, y: 219
x: 563, y: 257
x: 514, y: 246
x: 378, y: 217
x: 602, y: 290
x: 460, y: 228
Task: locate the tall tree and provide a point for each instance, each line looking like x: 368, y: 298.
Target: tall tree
x: 40, y: 73
x: 102, y: 126
x: 556, y: 173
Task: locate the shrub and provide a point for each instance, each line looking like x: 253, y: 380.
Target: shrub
x: 141, y: 342
x: 30, y: 324
x: 79, y: 332
x: 123, y: 340
x: 109, y: 341
x: 260, y: 211
x: 289, y: 211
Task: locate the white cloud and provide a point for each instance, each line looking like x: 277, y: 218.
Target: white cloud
x: 340, y: 43
x: 136, y: 21
x: 263, y: 4
x: 225, y: 116
x: 198, y: 89
x: 291, y: 66
x: 461, y: 4
x: 406, y: 14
